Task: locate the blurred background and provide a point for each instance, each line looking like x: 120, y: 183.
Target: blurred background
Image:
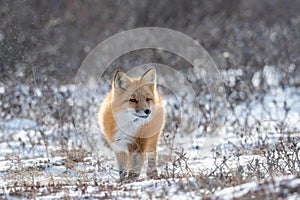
x: 51, y: 38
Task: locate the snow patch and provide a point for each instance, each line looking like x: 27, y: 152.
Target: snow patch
x: 18, y: 124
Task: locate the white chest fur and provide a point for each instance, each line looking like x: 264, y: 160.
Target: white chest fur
x: 127, y: 126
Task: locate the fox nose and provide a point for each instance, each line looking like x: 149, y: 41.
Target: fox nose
x: 147, y: 111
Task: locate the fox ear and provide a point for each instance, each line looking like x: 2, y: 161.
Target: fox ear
x: 121, y: 80
x: 150, y: 76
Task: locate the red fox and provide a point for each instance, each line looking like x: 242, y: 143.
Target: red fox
x: 131, y: 118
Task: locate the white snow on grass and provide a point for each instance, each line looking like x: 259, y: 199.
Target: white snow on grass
x: 18, y: 124
x: 251, y: 189
x: 29, y: 158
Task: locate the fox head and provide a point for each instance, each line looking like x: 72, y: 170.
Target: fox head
x: 134, y: 96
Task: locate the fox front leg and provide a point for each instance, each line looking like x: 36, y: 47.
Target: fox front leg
x: 136, y: 160
x: 151, y: 169
x: 152, y: 158
x: 122, y: 159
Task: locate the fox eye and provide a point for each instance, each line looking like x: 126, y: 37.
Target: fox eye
x: 133, y: 100
x: 148, y: 99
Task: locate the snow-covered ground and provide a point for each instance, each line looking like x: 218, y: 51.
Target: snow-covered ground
x: 260, y: 159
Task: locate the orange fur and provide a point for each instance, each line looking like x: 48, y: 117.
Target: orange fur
x: 131, y: 118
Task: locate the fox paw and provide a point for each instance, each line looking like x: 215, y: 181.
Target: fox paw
x: 122, y: 175
x: 152, y: 174
x: 132, y: 177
